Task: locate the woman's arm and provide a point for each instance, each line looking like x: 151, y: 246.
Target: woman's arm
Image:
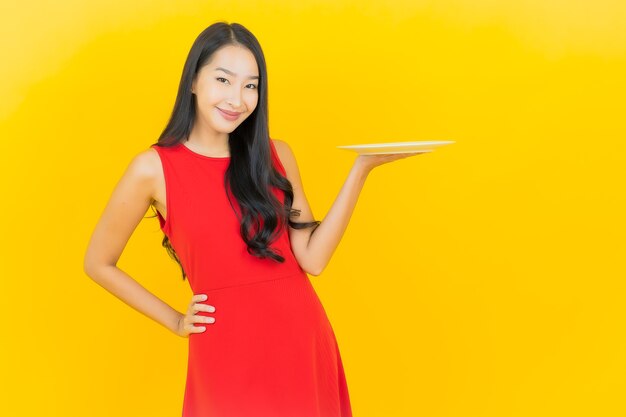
x: 127, y: 205
x: 314, y: 247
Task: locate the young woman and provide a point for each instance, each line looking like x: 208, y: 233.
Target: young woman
x: 260, y: 343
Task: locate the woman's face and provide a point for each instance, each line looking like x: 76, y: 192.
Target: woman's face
x: 229, y: 82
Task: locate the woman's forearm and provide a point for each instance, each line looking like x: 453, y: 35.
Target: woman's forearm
x: 120, y: 284
x: 327, y: 235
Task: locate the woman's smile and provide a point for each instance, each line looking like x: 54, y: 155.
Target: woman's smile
x: 229, y: 115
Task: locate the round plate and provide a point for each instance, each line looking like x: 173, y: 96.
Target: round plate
x: 396, y: 147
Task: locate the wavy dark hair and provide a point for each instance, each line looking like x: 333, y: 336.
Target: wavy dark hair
x: 250, y: 173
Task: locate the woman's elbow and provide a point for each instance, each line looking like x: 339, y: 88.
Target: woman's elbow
x: 89, y: 267
x: 92, y: 265
x: 314, y: 270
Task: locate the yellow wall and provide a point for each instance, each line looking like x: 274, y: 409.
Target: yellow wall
x: 484, y: 279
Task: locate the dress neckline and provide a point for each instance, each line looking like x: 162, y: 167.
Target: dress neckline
x: 199, y: 155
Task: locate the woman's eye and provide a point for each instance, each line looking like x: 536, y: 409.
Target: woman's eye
x: 222, y: 78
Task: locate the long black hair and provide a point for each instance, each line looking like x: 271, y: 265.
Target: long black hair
x: 250, y: 173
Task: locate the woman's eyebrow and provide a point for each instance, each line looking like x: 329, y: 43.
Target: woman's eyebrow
x: 232, y: 73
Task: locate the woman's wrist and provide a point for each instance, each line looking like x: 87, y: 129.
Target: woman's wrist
x: 177, y: 329
x: 362, y: 167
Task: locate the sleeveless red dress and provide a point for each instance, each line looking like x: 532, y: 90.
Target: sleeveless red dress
x: 271, y: 350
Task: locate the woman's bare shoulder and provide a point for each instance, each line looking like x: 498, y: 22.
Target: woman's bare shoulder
x: 145, y: 167
x: 288, y: 160
x: 285, y: 153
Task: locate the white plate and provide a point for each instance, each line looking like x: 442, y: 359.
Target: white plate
x: 397, y: 147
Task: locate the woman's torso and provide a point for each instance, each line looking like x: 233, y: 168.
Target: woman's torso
x: 202, y: 225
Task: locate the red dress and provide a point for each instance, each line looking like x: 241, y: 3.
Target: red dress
x: 271, y: 351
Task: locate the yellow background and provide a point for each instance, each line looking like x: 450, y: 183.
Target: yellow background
x: 484, y: 279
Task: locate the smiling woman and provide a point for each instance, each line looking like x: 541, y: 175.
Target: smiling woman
x: 260, y: 342
x: 225, y: 195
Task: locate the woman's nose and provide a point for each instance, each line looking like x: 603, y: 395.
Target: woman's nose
x: 234, y: 104
x: 235, y: 100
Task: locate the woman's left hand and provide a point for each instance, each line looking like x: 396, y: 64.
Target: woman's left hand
x: 369, y: 162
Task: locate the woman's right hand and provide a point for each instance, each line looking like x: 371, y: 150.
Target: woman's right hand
x: 186, y: 322
x: 369, y: 162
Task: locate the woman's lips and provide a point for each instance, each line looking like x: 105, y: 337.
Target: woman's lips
x: 229, y: 115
